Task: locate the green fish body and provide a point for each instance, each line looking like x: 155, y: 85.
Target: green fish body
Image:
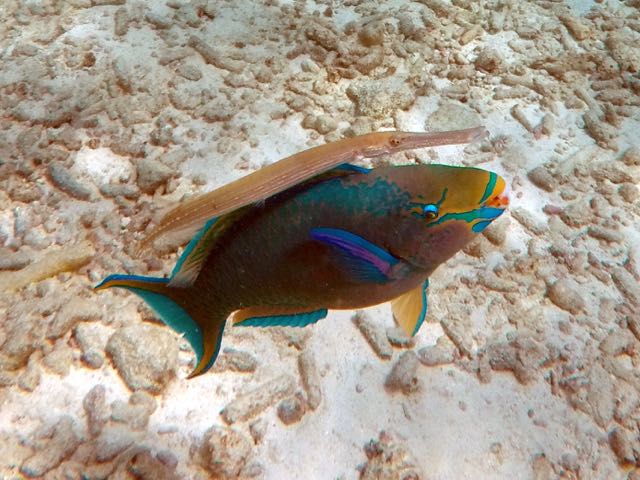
x: 350, y: 238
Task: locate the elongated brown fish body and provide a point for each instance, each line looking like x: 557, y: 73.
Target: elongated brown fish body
x: 348, y: 238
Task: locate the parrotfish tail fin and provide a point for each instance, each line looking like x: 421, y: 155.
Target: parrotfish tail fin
x: 180, y: 309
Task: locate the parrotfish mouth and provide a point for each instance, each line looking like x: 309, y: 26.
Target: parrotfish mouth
x: 500, y: 200
x: 493, y: 207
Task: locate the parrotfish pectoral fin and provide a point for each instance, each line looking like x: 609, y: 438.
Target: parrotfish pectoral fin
x: 178, y: 309
x: 276, y: 317
x: 410, y: 309
x: 363, y: 260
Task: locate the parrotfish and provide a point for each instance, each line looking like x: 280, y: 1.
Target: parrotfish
x: 345, y: 239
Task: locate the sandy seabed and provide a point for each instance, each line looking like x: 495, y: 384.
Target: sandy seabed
x: 114, y: 110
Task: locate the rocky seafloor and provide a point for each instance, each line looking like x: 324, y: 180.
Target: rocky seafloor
x: 114, y: 110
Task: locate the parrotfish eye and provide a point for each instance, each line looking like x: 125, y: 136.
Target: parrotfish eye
x: 430, y: 211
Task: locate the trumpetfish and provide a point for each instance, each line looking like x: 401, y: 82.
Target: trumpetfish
x: 346, y: 238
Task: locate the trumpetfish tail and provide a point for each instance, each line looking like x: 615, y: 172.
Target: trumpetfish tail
x: 182, y: 310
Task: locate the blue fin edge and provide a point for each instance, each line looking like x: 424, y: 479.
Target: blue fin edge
x: 172, y: 314
x: 124, y: 276
x: 425, y: 306
x: 295, y: 320
x: 192, y: 244
x: 352, y: 168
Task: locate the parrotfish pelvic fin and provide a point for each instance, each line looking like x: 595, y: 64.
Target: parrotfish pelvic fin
x: 410, y: 309
x: 179, y: 309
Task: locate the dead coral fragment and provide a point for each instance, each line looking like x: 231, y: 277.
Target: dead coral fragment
x: 374, y: 334
x: 403, y: 376
x: 310, y: 379
x: 54, y: 444
x: 213, y: 56
x: 388, y: 459
x: 146, y: 356
x: 62, y: 178
x: 604, y: 134
x: 565, y: 296
x: 225, y: 452
x: 248, y: 405
x: 378, y: 99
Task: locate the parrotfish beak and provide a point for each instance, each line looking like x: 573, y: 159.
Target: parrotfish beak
x: 500, y: 196
x: 495, y: 204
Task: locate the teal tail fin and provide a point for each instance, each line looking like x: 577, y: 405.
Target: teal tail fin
x: 181, y: 310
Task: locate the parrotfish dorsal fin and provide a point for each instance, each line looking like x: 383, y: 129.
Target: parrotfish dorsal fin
x: 410, y: 309
x: 342, y: 170
x: 276, y: 317
x: 362, y: 260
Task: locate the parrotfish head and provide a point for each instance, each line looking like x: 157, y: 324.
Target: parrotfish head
x: 449, y: 207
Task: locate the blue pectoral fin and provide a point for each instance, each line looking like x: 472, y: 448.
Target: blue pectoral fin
x: 361, y: 259
x: 410, y: 309
x: 262, y: 318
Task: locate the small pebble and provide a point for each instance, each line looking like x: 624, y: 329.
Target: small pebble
x: 145, y: 356
x: 622, y: 446
x: 403, y: 376
x: 56, y: 443
x: 374, y: 334
x: 489, y: 60
x: 113, y: 440
x: 541, y: 178
x: 626, y: 284
x: 629, y: 192
x: 291, y: 410
x: 225, y: 452
x: 631, y: 157
x: 324, y: 124
x: 310, y: 379
x: 565, y: 296
x: 436, y: 355
x: 236, y: 361
x: 398, y: 338
x: 252, y: 402
x: 65, y: 181
x: 95, y: 407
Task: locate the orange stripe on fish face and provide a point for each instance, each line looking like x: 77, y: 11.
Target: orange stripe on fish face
x: 499, y: 197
